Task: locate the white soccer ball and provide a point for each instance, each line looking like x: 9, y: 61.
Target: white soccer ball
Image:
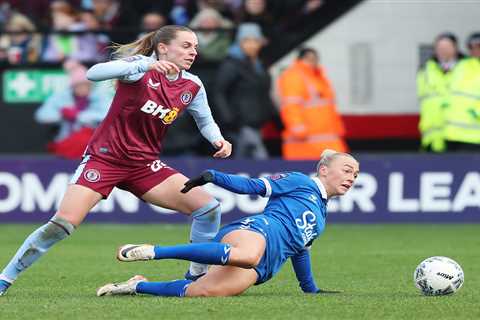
x: 438, y: 276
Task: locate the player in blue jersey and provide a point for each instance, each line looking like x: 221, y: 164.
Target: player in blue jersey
x: 252, y: 250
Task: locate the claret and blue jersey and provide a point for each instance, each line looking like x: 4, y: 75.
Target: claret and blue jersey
x: 294, y: 216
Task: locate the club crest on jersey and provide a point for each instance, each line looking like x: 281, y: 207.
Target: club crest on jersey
x: 165, y: 114
x: 92, y: 175
x: 277, y: 176
x: 186, y: 97
x: 153, y: 85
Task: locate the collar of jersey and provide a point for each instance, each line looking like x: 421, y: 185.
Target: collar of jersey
x: 320, y: 186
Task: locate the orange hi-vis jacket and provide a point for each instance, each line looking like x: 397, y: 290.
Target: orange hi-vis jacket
x: 309, y: 114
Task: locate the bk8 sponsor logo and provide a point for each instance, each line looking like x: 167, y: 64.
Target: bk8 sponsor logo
x: 165, y: 114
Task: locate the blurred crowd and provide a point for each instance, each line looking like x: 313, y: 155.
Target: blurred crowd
x: 53, y: 30
x: 294, y: 116
x: 231, y: 33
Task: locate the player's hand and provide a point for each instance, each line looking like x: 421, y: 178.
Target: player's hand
x: 224, y: 149
x: 164, y: 66
x: 202, y: 179
x: 321, y: 291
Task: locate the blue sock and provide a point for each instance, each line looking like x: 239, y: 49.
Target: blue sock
x: 205, y: 226
x: 208, y: 253
x: 37, y: 243
x: 176, y: 288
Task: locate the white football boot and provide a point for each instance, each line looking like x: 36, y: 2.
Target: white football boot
x: 121, y: 288
x: 135, y: 252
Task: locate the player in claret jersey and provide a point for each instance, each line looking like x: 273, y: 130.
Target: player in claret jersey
x: 154, y: 88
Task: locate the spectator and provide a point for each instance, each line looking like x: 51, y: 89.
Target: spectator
x: 78, y: 110
x: 258, y: 11
x: 91, y: 46
x: 308, y: 110
x: 433, y: 83
x: 22, y: 47
x: 462, y: 115
x: 114, y: 14
x: 153, y: 20
x: 213, y: 43
x: 241, y: 93
x: 61, y: 46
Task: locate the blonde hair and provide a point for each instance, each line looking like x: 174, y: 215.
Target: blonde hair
x: 328, y: 155
x: 147, y: 45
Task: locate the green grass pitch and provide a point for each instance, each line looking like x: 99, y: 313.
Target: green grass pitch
x: 371, y: 264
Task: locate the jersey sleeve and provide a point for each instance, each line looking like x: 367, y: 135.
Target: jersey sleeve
x: 128, y: 69
x: 201, y: 113
x: 282, y: 183
x: 303, y: 272
x: 239, y: 184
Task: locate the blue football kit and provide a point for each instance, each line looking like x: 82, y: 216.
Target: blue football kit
x: 294, y: 216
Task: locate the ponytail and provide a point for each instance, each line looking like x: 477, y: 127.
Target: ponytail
x: 143, y: 46
x: 147, y: 45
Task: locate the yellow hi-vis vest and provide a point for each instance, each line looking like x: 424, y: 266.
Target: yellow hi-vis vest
x: 462, y: 116
x: 433, y: 93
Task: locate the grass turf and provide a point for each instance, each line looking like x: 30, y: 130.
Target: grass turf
x: 371, y: 264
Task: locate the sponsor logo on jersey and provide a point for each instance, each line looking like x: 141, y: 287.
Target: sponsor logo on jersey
x: 153, y: 85
x: 306, y: 224
x: 92, y: 175
x: 165, y: 114
x: 186, y: 97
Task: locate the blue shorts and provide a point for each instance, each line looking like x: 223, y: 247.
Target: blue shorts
x: 276, y: 250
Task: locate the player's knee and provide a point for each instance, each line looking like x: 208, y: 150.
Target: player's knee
x: 60, y: 226
x: 206, y: 222
x: 244, y: 257
x: 252, y: 260
x: 211, y: 212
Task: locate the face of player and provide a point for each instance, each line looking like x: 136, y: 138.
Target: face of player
x: 339, y: 176
x: 182, y: 50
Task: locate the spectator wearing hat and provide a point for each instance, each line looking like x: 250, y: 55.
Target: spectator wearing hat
x: 462, y: 116
x: 77, y: 110
x: 433, y: 91
x: 241, y: 93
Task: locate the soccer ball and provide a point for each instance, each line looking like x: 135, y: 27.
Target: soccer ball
x: 438, y: 276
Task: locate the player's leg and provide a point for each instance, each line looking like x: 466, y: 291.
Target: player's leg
x: 222, y: 281
x: 241, y: 248
x: 204, y: 209
x: 76, y: 203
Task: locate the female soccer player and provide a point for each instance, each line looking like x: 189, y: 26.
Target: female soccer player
x: 250, y: 251
x: 154, y: 88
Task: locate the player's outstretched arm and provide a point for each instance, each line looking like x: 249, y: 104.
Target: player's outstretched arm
x: 231, y: 182
x: 303, y: 272
x: 122, y: 69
